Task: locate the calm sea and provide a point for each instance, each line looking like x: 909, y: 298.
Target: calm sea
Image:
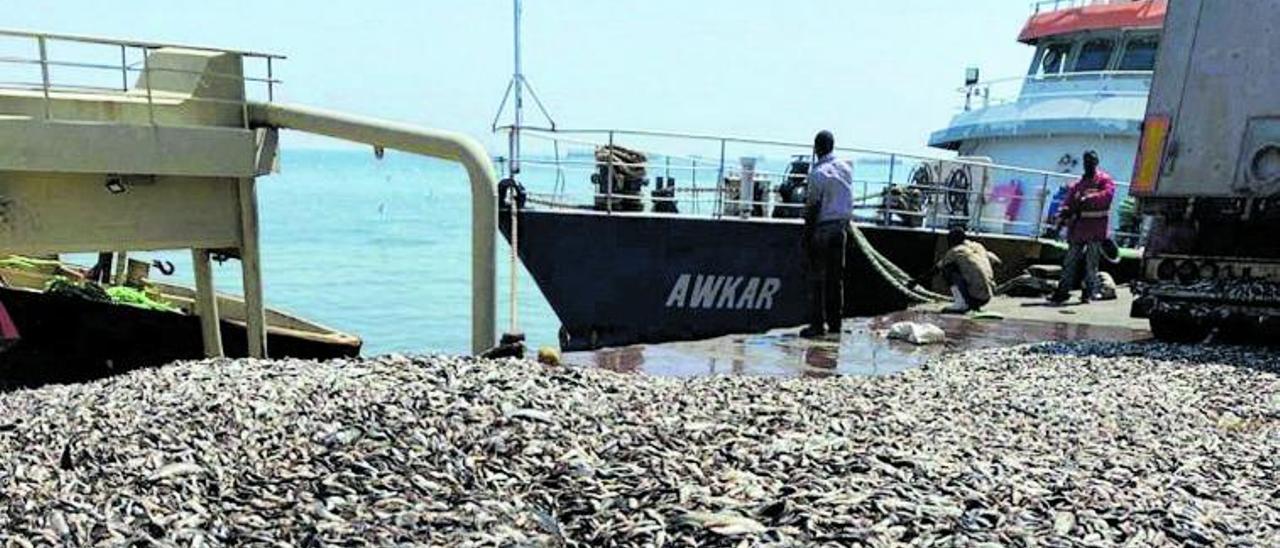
x: 378, y: 248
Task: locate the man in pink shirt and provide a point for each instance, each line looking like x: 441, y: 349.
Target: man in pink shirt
x: 1086, y: 213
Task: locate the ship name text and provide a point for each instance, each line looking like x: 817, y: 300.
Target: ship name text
x: 723, y: 292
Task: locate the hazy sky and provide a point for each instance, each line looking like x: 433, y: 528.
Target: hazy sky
x: 880, y: 74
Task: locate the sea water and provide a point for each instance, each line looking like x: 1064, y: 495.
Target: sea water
x: 377, y: 248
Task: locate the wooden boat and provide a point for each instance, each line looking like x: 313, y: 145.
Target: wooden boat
x: 67, y: 338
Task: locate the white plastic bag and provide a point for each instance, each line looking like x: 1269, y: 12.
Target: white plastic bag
x: 917, y: 333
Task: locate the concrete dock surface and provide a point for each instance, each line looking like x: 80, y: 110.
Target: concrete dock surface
x: 864, y: 349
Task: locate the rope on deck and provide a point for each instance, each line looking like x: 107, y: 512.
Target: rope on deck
x: 897, y: 278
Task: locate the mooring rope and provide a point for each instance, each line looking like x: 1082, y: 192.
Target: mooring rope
x: 897, y: 278
x: 515, y: 265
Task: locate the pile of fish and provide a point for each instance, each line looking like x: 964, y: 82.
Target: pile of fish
x: 1083, y: 443
x: 1236, y: 290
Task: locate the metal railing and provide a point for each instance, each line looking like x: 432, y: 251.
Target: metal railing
x: 893, y: 188
x: 50, y: 86
x: 1112, y: 83
x: 1047, y: 6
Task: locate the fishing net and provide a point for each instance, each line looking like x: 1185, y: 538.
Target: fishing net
x: 91, y: 291
x: 18, y: 262
x: 620, y: 175
x: 134, y: 297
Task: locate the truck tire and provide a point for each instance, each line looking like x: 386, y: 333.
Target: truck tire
x: 1178, y: 330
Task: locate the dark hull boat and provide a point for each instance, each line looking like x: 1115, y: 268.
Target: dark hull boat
x: 624, y: 278
x: 690, y: 261
x: 629, y: 269
x: 68, y: 339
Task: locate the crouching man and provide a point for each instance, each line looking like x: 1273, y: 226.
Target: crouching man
x: 969, y: 270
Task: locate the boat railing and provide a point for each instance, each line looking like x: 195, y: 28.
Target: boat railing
x: 1048, y: 6
x: 70, y: 65
x: 705, y: 176
x: 1109, y: 83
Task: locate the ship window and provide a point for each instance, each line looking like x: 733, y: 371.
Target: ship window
x: 1140, y: 54
x: 1055, y: 56
x: 1094, y: 55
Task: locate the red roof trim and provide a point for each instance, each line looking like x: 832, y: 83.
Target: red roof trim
x: 1140, y: 14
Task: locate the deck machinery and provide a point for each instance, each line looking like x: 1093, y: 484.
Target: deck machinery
x: 1208, y: 172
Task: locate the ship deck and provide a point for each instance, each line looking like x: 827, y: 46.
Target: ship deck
x: 863, y: 349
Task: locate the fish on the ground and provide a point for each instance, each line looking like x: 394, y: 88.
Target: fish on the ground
x: 1056, y: 444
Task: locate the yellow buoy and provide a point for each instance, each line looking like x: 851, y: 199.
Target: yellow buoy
x: 548, y: 355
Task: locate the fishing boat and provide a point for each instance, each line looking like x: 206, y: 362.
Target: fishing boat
x: 668, y: 236
x: 82, y: 333
x: 160, y: 149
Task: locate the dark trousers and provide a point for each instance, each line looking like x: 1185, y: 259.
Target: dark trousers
x: 1084, y: 256
x: 826, y: 274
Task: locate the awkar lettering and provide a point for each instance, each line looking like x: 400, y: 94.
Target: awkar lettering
x: 723, y: 292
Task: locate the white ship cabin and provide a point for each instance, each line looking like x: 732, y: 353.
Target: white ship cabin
x: 1086, y: 87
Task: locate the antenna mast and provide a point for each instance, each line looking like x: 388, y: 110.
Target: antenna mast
x: 517, y: 84
x: 517, y: 88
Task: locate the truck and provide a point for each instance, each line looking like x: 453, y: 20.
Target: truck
x: 1207, y: 173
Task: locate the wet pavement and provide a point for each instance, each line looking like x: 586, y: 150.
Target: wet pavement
x: 863, y: 349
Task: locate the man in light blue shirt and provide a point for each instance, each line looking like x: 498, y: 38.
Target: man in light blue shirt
x: 828, y: 210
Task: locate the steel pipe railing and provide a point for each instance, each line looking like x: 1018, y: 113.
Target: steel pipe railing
x: 428, y: 142
x: 49, y: 84
x: 1002, y: 91
x: 936, y: 196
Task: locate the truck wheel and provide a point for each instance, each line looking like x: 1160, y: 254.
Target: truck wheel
x: 1177, y: 330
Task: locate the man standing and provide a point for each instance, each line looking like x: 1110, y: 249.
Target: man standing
x: 1086, y: 213
x: 828, y: 210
